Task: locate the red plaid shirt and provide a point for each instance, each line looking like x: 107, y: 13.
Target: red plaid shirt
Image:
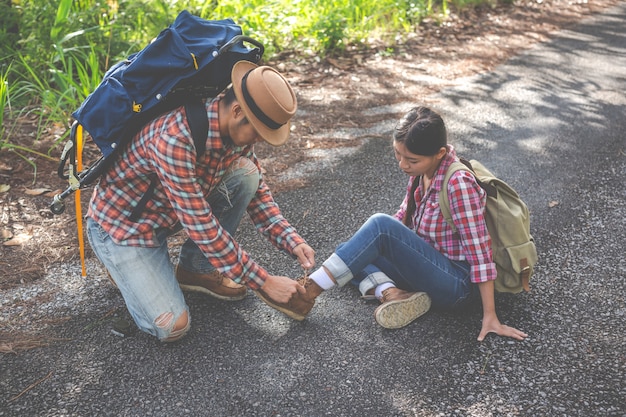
x: 467, y: 205
x: 165, y: 148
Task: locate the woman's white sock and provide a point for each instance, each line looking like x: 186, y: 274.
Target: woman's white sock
x: 322, y: 279
x: 382, y: 287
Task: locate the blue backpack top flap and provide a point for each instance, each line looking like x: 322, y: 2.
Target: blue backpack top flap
x: 144, y: 80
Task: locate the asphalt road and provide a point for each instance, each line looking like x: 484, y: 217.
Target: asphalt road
x: 551, y: 122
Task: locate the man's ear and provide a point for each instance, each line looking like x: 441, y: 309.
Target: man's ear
x: 236, y: 111
x: 442, y: 153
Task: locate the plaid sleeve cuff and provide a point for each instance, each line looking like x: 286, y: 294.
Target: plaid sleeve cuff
x: 255, y: 277
x: 483, y: 273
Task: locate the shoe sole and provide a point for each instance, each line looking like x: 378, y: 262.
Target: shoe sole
x: 196, y: 288
x: 397, y: 314
x: 293, y: 315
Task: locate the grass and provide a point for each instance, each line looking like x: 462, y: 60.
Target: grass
x: 66, y: 46
x: 5, y: 105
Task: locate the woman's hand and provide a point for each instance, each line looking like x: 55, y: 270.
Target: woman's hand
x: 491, y: 324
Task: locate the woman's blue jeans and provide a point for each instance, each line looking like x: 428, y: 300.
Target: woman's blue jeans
x: 145, y: 276
x: 385, y: 250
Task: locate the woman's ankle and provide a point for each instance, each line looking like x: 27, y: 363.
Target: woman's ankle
x: 323, y: 278
x: 381, y: 288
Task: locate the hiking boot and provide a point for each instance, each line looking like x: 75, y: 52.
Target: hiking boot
x: 214, y: 284
x: 300, y: 304
x: 400, y: 307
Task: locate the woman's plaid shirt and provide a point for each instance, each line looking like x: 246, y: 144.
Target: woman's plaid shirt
x: 165, y: 148
x: 467, y: 205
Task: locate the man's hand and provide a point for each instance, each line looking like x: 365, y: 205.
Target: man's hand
x: 281, y: 289
x: 305, y: 255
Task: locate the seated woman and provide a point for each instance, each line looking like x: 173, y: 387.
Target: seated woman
x: 413, y: 260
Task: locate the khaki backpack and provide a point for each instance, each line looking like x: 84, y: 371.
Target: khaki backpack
x: 508, y: 223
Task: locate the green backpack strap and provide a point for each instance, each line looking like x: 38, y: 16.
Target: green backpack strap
x: 444, y: 201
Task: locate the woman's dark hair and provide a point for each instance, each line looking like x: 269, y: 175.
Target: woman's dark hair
x: 423, y: 132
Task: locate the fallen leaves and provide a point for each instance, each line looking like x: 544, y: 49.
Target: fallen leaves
x: 19, y: 345
x: 36, y: 191
x: 17, y: 240
x: 32, y: 191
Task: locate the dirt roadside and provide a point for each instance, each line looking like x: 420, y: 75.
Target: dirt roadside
x: 331, y: 92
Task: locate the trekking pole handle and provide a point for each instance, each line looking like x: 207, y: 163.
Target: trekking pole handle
x: 242, y: 38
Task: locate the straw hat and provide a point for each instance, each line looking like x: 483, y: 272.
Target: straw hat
x: 267, y: 100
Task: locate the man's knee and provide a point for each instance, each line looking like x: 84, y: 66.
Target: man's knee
x: 248, y: 174
x: 245, y: 164
x: 176, y: 330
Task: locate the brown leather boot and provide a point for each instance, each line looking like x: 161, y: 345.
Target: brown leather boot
x: 300, y: 304
x: 214, y: 284
x: 400, y: 307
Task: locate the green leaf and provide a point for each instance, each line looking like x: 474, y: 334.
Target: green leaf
x: 62, y: 13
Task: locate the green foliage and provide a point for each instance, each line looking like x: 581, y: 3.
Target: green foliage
x: 322, y: 26
x: 4, y: 102
x: 55, y: 52
x: 469, y: 4
x: 9, y: 28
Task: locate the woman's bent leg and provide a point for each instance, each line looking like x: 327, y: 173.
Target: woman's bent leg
x: 404, y: 257
x: 369, y: 279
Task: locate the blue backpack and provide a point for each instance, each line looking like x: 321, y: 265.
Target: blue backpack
x: 189, y: 61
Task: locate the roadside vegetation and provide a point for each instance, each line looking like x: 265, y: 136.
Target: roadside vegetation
x: 53, y: 53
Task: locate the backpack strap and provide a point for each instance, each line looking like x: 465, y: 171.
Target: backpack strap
x: 198, y: 123
x: 444, y: 202
x: 197, y: 120
x: 134, y: 215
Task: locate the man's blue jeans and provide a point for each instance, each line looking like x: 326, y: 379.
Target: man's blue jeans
x: 145, y: 276
x: 385, y: 250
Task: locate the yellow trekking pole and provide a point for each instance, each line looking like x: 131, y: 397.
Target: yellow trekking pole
x: 79, y: 212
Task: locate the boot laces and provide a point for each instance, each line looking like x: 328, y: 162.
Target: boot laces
x: 304, y: 281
